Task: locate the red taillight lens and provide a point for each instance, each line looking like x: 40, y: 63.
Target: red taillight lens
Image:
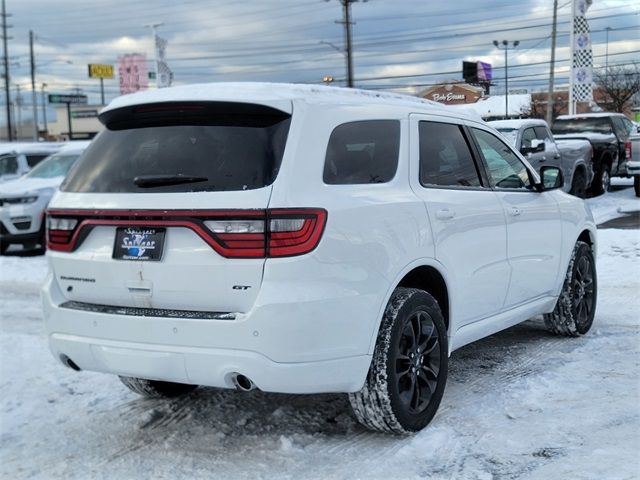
x: 233, y: 233
x: 294, y: 231
x: 627, y: 150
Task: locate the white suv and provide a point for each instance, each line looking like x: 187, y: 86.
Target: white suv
x: 305, y: 239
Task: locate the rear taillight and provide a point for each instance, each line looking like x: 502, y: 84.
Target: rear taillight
x: 233, y: 233
x: 627, y: 150
x: 60, y: 232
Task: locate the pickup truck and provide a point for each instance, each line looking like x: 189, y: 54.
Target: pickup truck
x: 535, y: 141
x: 610, y: 136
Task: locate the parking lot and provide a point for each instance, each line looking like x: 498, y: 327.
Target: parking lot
x: 520, y: 404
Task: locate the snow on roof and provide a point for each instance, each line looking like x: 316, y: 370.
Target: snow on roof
x: 494, y: 106
x: 75, y: 146
x: 278, y: 95
x: 518, y: 123
x: 590, y: 115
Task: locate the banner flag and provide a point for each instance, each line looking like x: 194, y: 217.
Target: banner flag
x: 164, y: 76
x: 581, y: 53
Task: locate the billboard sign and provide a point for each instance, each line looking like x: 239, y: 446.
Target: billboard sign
x: 485, y: 73
x: 99, y: 70
x: 133, y: 73
x: 477, y: 72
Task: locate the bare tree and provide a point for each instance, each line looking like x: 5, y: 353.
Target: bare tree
x: 538, y: 108
x: 618, y: 84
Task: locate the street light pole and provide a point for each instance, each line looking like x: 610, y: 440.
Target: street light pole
x: 505, y: 46
x: 33, y: 87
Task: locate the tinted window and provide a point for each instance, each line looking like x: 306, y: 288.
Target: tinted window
x: 445, y: 157
x: 581, y: 125
x: 33, y: 160
x: 362, y: 152
x: 55, y: 166
x: 620, y: 128
x: 8, y: 165
x: 542, y: 133
x: 528, y: 135
x: 183, y: 148
x: 504, y: 167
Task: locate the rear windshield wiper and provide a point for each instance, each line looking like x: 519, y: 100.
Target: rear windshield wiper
x: 150, y: 181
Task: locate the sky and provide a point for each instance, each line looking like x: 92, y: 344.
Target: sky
x: 401, y: 45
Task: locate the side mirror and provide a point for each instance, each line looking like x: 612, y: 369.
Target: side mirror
x: 551, y: 178
x: 537, y: 145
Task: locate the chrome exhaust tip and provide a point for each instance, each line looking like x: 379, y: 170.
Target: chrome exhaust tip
x: 243, y: 383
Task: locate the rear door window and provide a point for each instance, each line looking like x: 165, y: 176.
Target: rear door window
x: 445, y: 156
x: 362, y: 152
x: 185, y: 147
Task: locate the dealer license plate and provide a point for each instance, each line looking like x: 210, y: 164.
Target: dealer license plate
x: 139, y: 243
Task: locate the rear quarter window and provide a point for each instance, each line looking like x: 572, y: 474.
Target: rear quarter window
x: 362, y: 152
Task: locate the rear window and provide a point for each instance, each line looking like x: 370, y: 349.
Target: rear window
x: 185, y: 147
x: 581, y: 125
x: 362, y: 152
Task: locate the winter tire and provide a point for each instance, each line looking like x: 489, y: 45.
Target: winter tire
x: 602, y: 180
x: 408, y: 371
x: 579, y: 184
x: 576, y: 306
x: 636, y: 185
x: 155, y: 388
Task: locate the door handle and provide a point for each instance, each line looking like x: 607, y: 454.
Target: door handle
x: 515, y: 211
x: 556, y: 156
x: 543, y: 159
x: 445, y: 214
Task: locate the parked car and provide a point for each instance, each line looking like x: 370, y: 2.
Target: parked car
x: 23, y: 201
x: 305, y: 239
x: 535, y: 141
x: 609, y: 134
x: 16, y: 159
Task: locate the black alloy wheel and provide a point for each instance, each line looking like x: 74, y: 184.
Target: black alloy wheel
x: 417, y: 362
x: 583, y: 293
x: 408, y: 371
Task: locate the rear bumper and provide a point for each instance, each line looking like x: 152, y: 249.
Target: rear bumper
x: 299, y: 347
x: 633, y: 167
x: 207, y: 366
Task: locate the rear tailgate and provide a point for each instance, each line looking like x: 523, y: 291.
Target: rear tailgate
x: 167, y: 208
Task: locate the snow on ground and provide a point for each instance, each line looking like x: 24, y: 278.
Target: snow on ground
x: 521, y: 404
x: 614, y: 203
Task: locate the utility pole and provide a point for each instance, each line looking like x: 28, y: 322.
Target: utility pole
x: 34, y: 101
x: 505, y: 46
x: 5, y: 38
x: 18, y: 112
x: 552, y: 66
x: 606, y: 56
x: 346, y: 21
